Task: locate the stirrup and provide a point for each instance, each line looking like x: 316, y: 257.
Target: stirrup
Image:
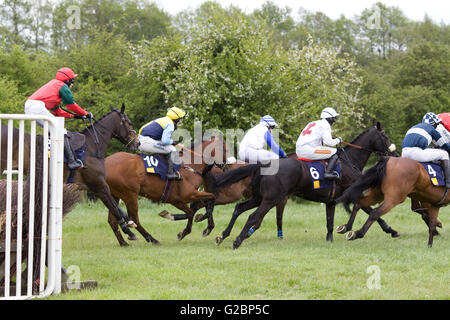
x: 332, y: 175
x: 174, y: 176
x: 77, y: 162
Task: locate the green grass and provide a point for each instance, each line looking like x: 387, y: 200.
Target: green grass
x: 302, y: 266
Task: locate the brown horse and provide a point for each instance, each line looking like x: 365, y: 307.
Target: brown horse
x: 15, y: 148
x: 391, y: 181
x: 128, y: 180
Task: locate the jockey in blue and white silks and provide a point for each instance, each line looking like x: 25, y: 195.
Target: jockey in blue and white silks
x: 252, y: 149
x: 419, y: 137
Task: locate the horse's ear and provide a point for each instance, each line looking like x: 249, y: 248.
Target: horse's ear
x: 374, y: 122
x: 378, y: 125
x: 123, y: 108
x: 111, y: 107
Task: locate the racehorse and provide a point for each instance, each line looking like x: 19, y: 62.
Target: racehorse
x: 127, y: 179
x: 114, y: 124
x: 392, y: 180
x: 293, y: 177
x: 15, y: 149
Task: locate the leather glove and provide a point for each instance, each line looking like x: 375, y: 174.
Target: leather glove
x: 76, y: 116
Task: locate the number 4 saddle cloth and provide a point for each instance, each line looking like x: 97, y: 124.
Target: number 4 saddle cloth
x: 156, y: 164
x: 317, y: 171
x: 435, y: 172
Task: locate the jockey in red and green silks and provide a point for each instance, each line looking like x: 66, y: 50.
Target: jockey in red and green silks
x: 46, y: 101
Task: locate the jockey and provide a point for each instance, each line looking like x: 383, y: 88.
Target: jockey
x: 46, y: 101
x: 252, y: 145
x: 418, y: 138
x: 316, y: 134
x: 156, y: 137
x: 444, y: 127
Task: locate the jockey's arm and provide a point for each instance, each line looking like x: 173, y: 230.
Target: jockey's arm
x: 69, y: 103
x: 273, y: 145
x: 166, y: 138
x: 328, y: 139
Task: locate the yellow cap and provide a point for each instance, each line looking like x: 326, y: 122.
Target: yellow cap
x: 175, y: 113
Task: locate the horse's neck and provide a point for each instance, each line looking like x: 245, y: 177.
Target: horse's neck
x: 358, y: 157
x: 98, y: 137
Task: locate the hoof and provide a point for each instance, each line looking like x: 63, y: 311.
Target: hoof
x: 351, y: 235
x: 236, y: 245
x: 206, y: 232
x: 131, y: 224
x: 132, y: 237
x: 439, y: 224
x: 395, y: 235
x: 166, y: 215
x: 219, y: 240
x: 156, y: 243
x: 330, y: 238
x: 180, y: 236
x: 124, y: 244
x: 341, y: 229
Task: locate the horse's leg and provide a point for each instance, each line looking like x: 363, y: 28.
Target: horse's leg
x: 195, y: 206
x: 238, y: 209
x: 252, y: 221
x: 384, y: 226
x: 349, y: 225
x: 209, y: 216
x: 422, y: 209
x: 374, y: 215
x: 103, y: 193
x: 115, y: 228
x: 330, y: 209
x: 183, y: 207
x: 280, y: 210
x: 133, y: 209
x: 432, y: 219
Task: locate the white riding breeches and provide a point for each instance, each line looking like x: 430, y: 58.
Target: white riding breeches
x: 154, y: 146
x: 37, y: 107
x: 257, y: 155
x: 315, y: 153
x: 425, y: 155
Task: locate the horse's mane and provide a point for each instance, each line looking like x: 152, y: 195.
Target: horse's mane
x: 100, y: 119
x: 359, y: 136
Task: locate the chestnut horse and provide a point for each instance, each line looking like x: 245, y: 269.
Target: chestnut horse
x: 128, y: 180
x: 391, y: 181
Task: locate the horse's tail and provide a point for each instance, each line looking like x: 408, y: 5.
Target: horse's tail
x: 372, y: 177
x: 228, y: 178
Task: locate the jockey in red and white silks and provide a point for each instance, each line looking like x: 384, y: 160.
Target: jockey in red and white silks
x: 315, y: 141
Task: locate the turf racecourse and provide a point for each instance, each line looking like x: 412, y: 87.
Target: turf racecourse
x: 302, y: 266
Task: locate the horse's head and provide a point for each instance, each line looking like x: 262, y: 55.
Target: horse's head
x: 215, y: 151
x: 380, y: 142
x: 124, y: 132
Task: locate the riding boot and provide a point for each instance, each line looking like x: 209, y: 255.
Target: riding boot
x: 172, y: 174
x: 72, y: 162
x: 329, y: 172
x: 446, y: 166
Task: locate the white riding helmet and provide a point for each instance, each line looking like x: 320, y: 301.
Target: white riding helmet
x: 268, y: 121
x: 328, y: 113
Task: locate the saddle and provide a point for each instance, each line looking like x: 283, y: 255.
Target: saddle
x: 435, y: 172
x: 317, y: 172
x: 77, y: 140
x: 156, y: 163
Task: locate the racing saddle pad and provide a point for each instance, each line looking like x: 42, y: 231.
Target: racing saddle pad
x: 78, y: 143
x: 435, y: 172
x: 156, y: 164
x: 317, y: 171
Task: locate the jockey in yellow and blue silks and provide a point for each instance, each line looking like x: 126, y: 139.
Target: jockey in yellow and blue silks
x: 156, y: 137
x: 252, y: 145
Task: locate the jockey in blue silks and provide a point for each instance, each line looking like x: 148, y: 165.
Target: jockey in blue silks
x: 418, y: 138
x: 252, y: 146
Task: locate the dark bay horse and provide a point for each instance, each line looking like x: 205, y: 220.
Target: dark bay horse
x: 293, y: 178
x: 128, y: 180
x: 114, y: 124
x: 391, y: 181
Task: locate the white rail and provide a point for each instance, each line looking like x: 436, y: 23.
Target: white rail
x: 51, y: 236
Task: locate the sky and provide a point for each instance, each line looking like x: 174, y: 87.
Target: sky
x: 438, y: 10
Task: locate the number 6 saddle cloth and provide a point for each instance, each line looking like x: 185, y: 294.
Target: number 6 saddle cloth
x: 317, y: 172
x: 435, y: 172
x: 157, y: 164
